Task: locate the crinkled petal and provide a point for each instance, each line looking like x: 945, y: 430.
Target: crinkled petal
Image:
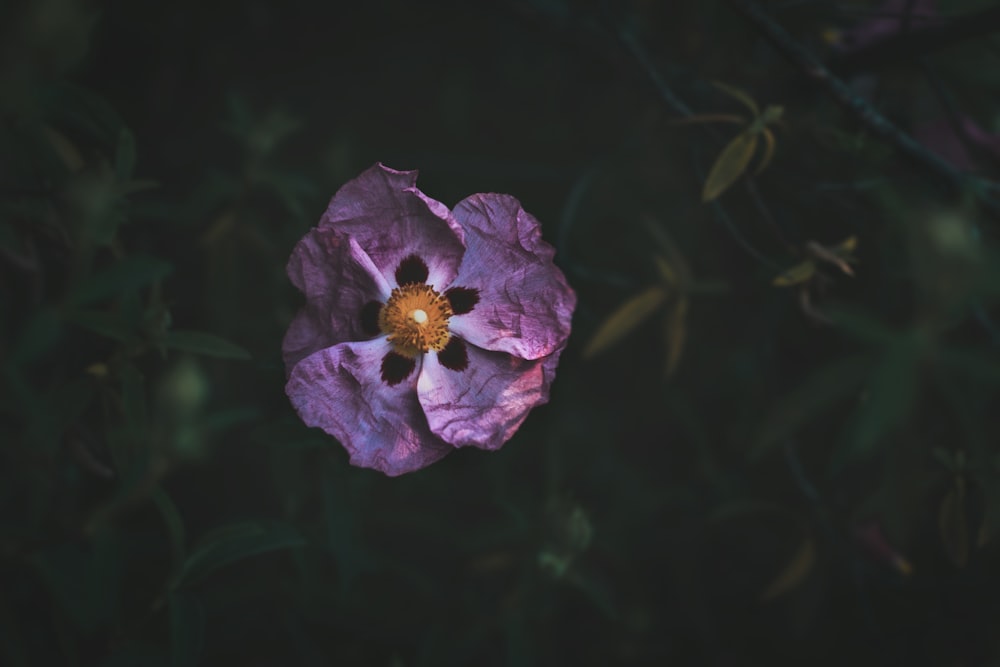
x: 391, y: 219
x: 525, y: 304
x: 338, y: 279
x: 484, y: 404
x: 340, y: 390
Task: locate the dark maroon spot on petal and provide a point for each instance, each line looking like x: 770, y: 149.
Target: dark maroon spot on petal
x: 454, y: 356
x: 411, y: 270
x: 462, y: 299
x: 369, y: 317
x: 396, y: 368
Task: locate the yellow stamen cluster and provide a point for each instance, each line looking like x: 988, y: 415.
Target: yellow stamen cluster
x: 416, y: 319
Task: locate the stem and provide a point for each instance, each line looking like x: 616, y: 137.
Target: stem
x: 955, y: 180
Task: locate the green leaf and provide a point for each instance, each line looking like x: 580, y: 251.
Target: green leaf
x: 675, y: 332
x: 129, y: 274
x: 822, y: 390
x: 730, y: 165
x: 125, y: 155
x: 204, y: 343
x: 80, y: 108
x: 69, y: 401
x: 627, y: 317
x: 233, y: 543
x: 739, y: 95
x: 890, y: 394
x: 175, y: 525
x: 187, y: 629
x: 9, y: 240
x: 110, y: 325
x: 38, y: 335
x: 83, y: 579
x: 953, y: 524
x: 981, y: 364
x: 292, y: 189
x: 798, y: 567
x: 796, y: 275
x: 861, y: 325
x: 134, y: 400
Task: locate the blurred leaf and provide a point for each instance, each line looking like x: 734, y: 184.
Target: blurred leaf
x: 126, y: 275
x: 341, y: 533
x: 769, y: 145
x: 739, y: 95
x: 134, y: 400
x: 799, y: 273
x: 981, y: 364
x: 174, y: 523
x: 83, y: 110
x: 990, y: 525
x: 233, y: 543
x: 596, y: 590
x: 64, y: 405
x: 795, y: 571
x: 219, y: 228
x: 953, y: 524
x: 945, y: 458
x: 730, y: 165
x: 38, y: 335
x: 125, y: 155
x: 629, y: 315
x: 109, y: 324
x: 823, y: 388
x: 675, y: 326
x: 226, y: 419
x: 9, y: 240
x: 294, y: 190
x: 69, y: 401
x: 187, y: 629
x: 667, y: 273
x: 891, y: 391
x: 83, y: 579
x: 861, y: 325
x: 67, y: 151
x: 519, y: 644
x: 204, y: 343
x: 839, y: 255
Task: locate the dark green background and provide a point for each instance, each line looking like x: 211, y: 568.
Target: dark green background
x: 811, y: 485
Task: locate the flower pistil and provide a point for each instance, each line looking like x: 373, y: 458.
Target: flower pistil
x: 416, y: 319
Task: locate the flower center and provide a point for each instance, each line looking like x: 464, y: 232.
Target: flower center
x: 416, y: 319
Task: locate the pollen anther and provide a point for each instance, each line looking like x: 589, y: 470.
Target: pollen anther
x: 416, y: 319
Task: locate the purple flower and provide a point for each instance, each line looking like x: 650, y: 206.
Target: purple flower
x: 424, y: 329
x: 888, y: 20
x: 942, y: 137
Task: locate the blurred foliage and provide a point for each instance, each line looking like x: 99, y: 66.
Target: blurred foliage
x: 771, y: 439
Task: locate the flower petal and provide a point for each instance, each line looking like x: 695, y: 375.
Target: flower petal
x: 484, y: 404
x: 339, y: 280
x: 340, y: 390
x: 391, y: 219
x: 525, y: 304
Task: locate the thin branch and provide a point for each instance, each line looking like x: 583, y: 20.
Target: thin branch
x: 674, y: 102
x: 863, y: 112
x: 765, y: 213
x: 679, y: 106
x: 907, y: 44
